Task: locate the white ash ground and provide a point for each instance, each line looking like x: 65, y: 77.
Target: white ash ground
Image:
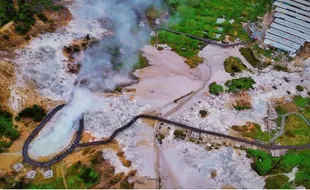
x: 187, y: 165
x: 42, y: 60
x: 221, y: 114
x: 136, y: 142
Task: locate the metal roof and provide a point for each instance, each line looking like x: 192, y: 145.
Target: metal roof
x: 296, y: 4
x: 291, y: 31
x: 280, y: 46
x: 291, y: 8
x: 303, y: 2
x: 286, y: 36
x: 292, y: 25
x: 296, y: 15
x: 294, y: 20
x: 283, y: 41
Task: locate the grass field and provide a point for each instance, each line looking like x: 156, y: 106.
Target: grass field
x: 255, y: 132
x: 199, y: 18
x: 297, y: 132
x: 265, y: 165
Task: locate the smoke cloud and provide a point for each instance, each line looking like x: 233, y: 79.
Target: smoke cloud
x: 108, y: 63
x: 104, y: 65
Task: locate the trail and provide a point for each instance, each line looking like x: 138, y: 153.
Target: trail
x: 283, y: 117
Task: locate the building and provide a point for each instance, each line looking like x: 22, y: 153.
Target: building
x: 278, y: 153
x: 17, y: 167
x: 253, y: 31
x: 290, y: 29
x: 195, y: 135
x: 48, y: 174
x: 31, y: 174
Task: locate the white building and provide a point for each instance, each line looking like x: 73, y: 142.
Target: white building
x: 48, y: 174
x: 31, y: 174
x: 278, y: 153
x: 290, y: 29
x: 17, y: 167
x: 195, y: 135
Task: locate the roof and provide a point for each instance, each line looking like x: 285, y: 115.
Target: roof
x: 288, y: 36
x: 291, y: 19
x: 291, y: 31
x: 278, y: 45
x: 293, y: 14
x: 292, y: 25
x: 296, y: 4
x: 283, y: 41
x: 291, y: 8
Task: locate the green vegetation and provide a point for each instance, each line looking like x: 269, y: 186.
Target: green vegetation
x: 199, y: 18
x: 142, y: 63
x: 237, y: 107
x: 260, y: 51
x: 203, y: 113
x: 299, y: 88
x: 7, y: 131
x: 301, y: 102
x: 268, y: 53
x: 280, y: 110
x: 248, y: 54
x: 265, y: 164
x: 297, y: 132
x: 234, y: 65
x: 276, y: 182
x: 79, y: 176
x: 252, y: 132
x: 126, y: 185
x: 215, y: 89
x: 243, y: 83
x: 7, y: 11
x: 179, y: 134
x: 281, y: 68
x: 35, y: 112
x: 160, y: 138
x: 24, y: 16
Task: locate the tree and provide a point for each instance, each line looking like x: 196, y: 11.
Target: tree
x: 215, y: 88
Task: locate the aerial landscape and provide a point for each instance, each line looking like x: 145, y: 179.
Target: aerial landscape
x: 155, y: 94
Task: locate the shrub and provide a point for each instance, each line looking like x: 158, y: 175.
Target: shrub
x: 280, y: 68
x: 215, y: 89
x: 7, y: 129
x: 276, y: 182
x: 280, y: 110
x: 42, y: 17
x: 142, y: 62
x: 160, y: 48
x: 301, y: 102
x: 234, y: 65
x: 203, y: 113
x: 179, y: 134
x: 263, y: 162
x: 299, y: 88
x: 244, y: 83
x: 36, y: 113
x: 237, y: 107
x: 126, y: 185
x: 250, y: 57
x: 89, y: 176
x: 7, y: 11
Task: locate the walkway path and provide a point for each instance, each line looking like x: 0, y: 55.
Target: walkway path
x: 208, y: 41
x: 75, y: 144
